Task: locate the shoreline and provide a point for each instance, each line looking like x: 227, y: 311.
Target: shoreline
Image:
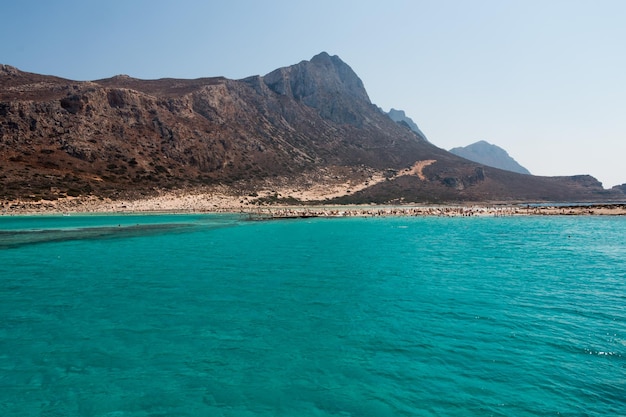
x: 222, y: 203
x: 485, y: 210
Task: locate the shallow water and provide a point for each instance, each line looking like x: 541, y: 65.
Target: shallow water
x: 212, y: 315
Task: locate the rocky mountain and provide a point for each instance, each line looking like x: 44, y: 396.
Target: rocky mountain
x: 399, y: 116
x: 485, y: 153
x: 308, y: 125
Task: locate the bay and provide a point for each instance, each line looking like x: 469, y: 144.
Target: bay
x: 195, y: 315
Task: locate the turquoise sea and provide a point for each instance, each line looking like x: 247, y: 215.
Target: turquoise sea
x: 214, y: 315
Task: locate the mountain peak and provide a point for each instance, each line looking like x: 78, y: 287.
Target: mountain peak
x: 332, y: 62
x: 323, y: 57
x: 485, y: 153
x: 399, y: 116
x: 325, y: 83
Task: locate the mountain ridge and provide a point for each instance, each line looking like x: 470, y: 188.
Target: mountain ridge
x: 399, y: 116
x: 311, y: 124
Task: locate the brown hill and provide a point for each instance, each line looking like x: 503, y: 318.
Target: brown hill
x: 308, y: 125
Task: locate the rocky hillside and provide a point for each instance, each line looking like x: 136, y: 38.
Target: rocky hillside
x: 620, y: 188
x: 485, y: 153
x: 307, y: 125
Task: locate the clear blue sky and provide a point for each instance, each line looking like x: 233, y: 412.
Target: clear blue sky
x: 544, y: 79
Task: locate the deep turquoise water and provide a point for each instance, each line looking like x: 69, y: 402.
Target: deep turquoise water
x: 214, y: 316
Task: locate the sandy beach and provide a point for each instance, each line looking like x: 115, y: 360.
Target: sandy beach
x: 222, y: 201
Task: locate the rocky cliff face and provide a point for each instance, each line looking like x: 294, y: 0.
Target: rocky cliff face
x: 308, y: 124
x: 488, y: 154
x: 326, y: 84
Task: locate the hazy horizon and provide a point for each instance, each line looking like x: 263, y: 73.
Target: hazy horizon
x: 546, y: 81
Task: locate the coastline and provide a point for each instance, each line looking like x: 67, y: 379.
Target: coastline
x: 412, y: 210
x: 215, y: 202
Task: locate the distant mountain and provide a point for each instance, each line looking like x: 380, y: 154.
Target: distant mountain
x: 399, y: 116
x: 309, y: 125
x: 621, y: 188
x: 488, y: 154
